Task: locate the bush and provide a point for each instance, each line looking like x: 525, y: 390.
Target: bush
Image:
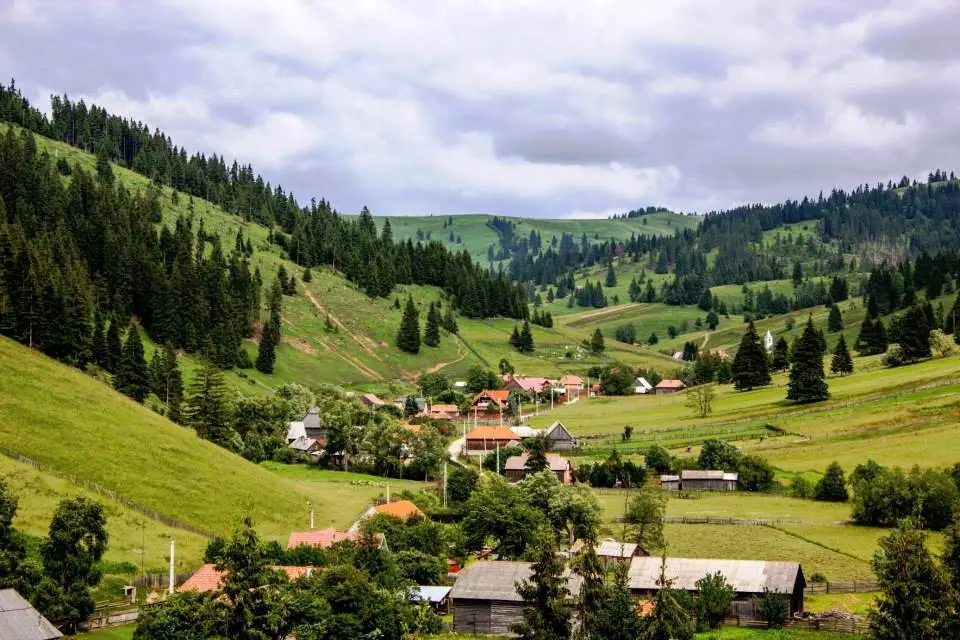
x: 285, y: 455
x: 895, y: 357
x: 756, y: 474
x: 773, y: 608
x: 800, y: 487
x: 832, y: 487
x: 658, y: 459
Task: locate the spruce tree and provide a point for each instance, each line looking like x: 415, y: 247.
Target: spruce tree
x: 592, y: 594
x: 668, y: 620
x: 781, y: 355
x: 270, y: 337
x: 834, y: 320
x: 98, y: 347
x: 596, y: 342
x: 431, y: 333
x: 208, y: 410
x: 515, y: 338
x: 132, y: 378
x: 841, y: 363
x: 172, y: 392
x: 157, y: 374
x: 806, y: 375
x: 408, y: 336
x: 450, y: 321
x: 915, y: 341
x: 611, y: 279
x: 526, y: 339
x: 114, y: 347
x: 750, y: 368
x: 950, y: 561
x: 547, y: 610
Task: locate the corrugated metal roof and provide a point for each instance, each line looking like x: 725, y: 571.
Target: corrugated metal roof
x: 745, y: 576
x: 614, y: 549
x: 669, y: 478
x: 296, y: 430
x: 497, y: 580
x: 20, y: 621
x: 430, y: 594
x: 694, y: 474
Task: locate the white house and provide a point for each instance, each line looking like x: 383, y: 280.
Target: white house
x: 640, y: 385
x: 768, y: 341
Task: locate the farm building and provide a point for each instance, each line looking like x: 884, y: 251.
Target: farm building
x: 711, y: 480
x: 322, y: 538
x: 312, y: 426
x: 515, y: 467
x: 485, y: 439
x: 640, y: 385
x: 209, y: 578
x: 488, y: 401
x: 559, y: 438
x: 749, y: 579
x: 670, y: 483
x: 533, y: 386
x: 437, y: 597
x: 669, y: 386
x: 485, y: 598
x: 371, y: 400
x: 403, y: 509
x: 611, y: 552
x: 20, y: 621
x: 307, y: 446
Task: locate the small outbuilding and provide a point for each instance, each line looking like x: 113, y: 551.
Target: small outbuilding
x: 641, y: 386
x: 559, y: 438
x: 20, y: 621
x: 515, y: 467
x: 750, y: 579
x: 670, y: 482
x: 485, y: 598
x: 669, y: 386
x: 437, y: 597
x: 612, y: 552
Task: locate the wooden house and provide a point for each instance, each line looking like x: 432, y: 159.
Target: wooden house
x: 515, y: 467
x: 313, y: 425
x: 490, y: 401
x: 750, y: 579
x: 710, y: 480
x: 485, y: 598
x: 532, y: 386
x: 443, y: 412
x: 669, y: 386
x: 670, y: 482
x: 487, y: 439
x: 559, y: 438
x: 641, y: 386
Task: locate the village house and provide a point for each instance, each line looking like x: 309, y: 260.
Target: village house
x: 208, y: 578
x: 533, y: 386
x: 573, y: 385
x: 487, y: 439
x: 640, y: 385
x: 750, y: 579
x: 611, y: 552
x: 313, y: 426
x: 295, y: 430
x: 403, y: 509
x: 485, y: 599
x: 446, y: 412
x: 320, y: 538
x: 307, y: 446
x: 669, y: 386
x: 515, y: 467
x: 372, y: 401
x: 488, y: 401
x: 559, y: 438
x: 20, y: 621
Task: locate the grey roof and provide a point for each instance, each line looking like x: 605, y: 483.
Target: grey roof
x: 666, y: 478
x: 519, y: 463
x: 303, y: 443
x: 557, y: 431
x: 526, y: 432
x: 694, y: 474
x: 295, y: 430
x: 745, y: 576
x: 20, y: 621
x: 312, y: 419
x: 614, y: 549
x: 497, y: 580
x: 435, y: 595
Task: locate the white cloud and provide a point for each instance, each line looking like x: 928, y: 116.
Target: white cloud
x: 844, y: 126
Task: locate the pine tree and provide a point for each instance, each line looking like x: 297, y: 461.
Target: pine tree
x: 915, y: 341
x: 750, y: 368
x: 832, y: 487
x: 431, y: 333
x: 592, y: 592
x: 526, y: 339
x: 207, y: 409
x: 408, y: 336
x: 307, y: 275
x: 618, y: 619
x: 668, y: 620
x: 515, y: 338
x: 781, y: 355
x: 596, y: 342
x: 546, y: 600
x: 132, y: 378
x: 834, y: 320
x: 270, y: 337
x: 114, y: 347
x: 172, y: 392
x: 157, y: 375
x: 806, y: 375
x: 841, y: 363
x: 611, y: 279
x: 797, y: 274
x: 98, y: 347
x: 450, y: 321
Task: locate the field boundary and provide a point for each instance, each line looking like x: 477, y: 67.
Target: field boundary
x: 107, y: 493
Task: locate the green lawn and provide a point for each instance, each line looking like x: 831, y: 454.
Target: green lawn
x: 115, y: 633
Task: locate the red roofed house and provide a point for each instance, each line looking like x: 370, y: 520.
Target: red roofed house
x: 490, y: 401
x: 529, y: 385
x: 489, y: 438
x: 209, y: 578
x: 371, y: 400
x: 403, y: 509
x: 322, y: 538
x: 669, y: 386
x: 443, y: 412
x: 573, y: 384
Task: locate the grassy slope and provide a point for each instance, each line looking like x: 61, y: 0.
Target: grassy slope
x: 76, y: 425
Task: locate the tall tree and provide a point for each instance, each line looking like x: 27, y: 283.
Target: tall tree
x: 834, y: 320
x: 668, y: 620
x: 408, y: 336
x: 841, y: 363
x: 915, y: 338
x: 208, y: 409
x: 596, y: 342
x: 547, y: 606
x: 618, y: 618
x: 172, y: 391
x: 781, y: 355
x: 132, y: 378
x: 114, y: 347
x: 611, y: 279
x: 915, y: 591
x: 806, y: 375
x: 526, y: 339
x: 98, y: 346
x: 431, y: 333
x: 750, y: 368
x: 270, y: 337
x: 590, y: 600
x: 832, y: 487
x: 644, y: 518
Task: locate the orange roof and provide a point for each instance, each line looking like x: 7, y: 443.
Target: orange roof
x: 403, y: 509
x: 322, y: 538
x: 500, y: 396
x: 209, y: 578
x: 670, y: 384
x: 502, y: 434
x: 444, y: 408
x: 414, y: 428
x: 570, y: 380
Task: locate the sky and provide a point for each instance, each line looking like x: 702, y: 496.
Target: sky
x: 538, y: 108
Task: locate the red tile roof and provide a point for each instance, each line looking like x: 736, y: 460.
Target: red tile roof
x: 493, y: 434
x: 570, y: 380
x: 444, y: 408
x: 322, y: 538
x: 498, y: 396
x: 671, y: 384
x: 403, y: 509
x: 208, y: 578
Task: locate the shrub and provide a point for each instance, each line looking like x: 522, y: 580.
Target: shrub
x: 773, y: 608
x: 658, y: 459
x: 832, y: 487
x: 800, y: 487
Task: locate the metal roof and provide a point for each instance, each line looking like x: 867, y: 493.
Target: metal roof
x: 526, y: 432
x: 694, y: 474
x: 295, y: 430
x: 614, y: 549
x: 497, y: 580
x: 435, y: 595
x: 666, y: 478
x: 519, y: 463
x: 745, y: 576
x: 20, y: 621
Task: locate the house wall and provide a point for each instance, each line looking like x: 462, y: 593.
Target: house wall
x: 673, y: 485
x: 486, y: 616
x: 514, y: 475
x: 485, y: 445
x: 665, y: 390
x: 560, y: 444
x: 709, y: 485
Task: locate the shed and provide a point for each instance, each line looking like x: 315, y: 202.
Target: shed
x: 640, y: 385
x: 515, y: 467
x: 669, y: 386
x: 20, y: 621
x: 437, y: 597
x: 749, y: 579
x: 670, y: 483
x: 611, y: 552
x: 485, y: 598
x: 709, y: 480
x: 559, y: 438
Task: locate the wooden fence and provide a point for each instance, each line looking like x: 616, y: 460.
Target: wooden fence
x: 107, y: 493
x: 741, y: 522
x: 157, y: 581
x: 842, y: 587
x: 839, y: 625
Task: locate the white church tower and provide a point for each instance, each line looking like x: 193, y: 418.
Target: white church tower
x: 768, y: 341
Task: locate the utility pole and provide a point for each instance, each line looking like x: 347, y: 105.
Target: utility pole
x: 444, y: 484
x: 172, y: 575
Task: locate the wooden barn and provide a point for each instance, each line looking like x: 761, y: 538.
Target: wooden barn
x: 515, y: 468
x: 710, y: 480
x: 485, y: 598
x: 559, y: 438
x: 749, y: 579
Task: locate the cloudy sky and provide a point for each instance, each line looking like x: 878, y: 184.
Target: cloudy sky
x: 550, y: 108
